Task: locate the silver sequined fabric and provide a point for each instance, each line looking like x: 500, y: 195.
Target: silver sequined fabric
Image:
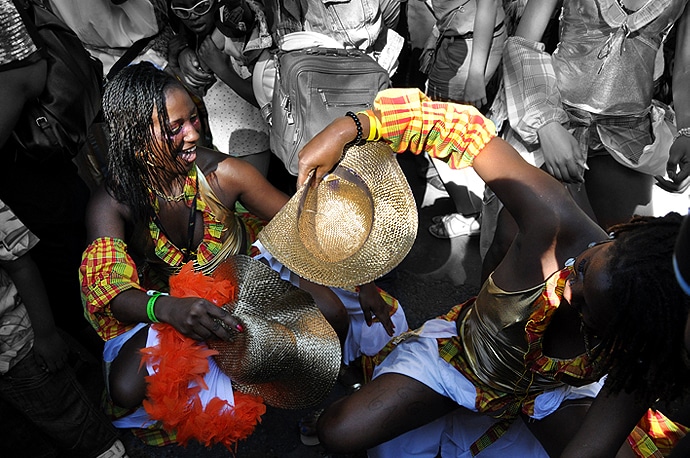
x: 15, y: 42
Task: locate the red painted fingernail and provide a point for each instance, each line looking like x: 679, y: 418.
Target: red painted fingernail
x: 240, y: 328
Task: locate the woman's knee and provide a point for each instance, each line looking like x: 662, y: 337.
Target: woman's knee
x: 127, y: 386
x: 333, y: 430
x: 331, y: 307
x: 336, y: 315
x: 381, y: 410
x: 125, y: 392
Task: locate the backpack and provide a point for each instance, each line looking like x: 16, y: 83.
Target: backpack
x: 59, y: 119
x: 314, y: 86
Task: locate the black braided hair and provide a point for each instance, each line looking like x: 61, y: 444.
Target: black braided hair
x: 129, y: 102
x: 643, y: 344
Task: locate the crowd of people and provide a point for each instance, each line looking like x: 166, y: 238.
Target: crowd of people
x: 568, y: 111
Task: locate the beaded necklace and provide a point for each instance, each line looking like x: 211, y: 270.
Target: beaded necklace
x: 168, y: 198
x: 190, y: 190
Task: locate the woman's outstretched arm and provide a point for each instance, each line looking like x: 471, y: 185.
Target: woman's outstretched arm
x: 460, y: 135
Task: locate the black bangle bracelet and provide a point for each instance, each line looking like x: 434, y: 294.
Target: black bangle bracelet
x: 358, y: 138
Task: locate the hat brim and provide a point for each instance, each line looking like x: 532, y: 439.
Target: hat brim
x: 288, y: 353
x: 393, y: 229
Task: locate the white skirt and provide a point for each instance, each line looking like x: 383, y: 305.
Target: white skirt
x: 218, y: 383
x: 361, y: 339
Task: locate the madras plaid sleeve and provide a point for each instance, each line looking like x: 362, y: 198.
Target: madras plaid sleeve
x: 532, y: 97
x: 106, y: 270
x: 451, y: 132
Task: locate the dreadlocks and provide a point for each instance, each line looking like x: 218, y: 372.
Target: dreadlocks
x: 129, y: 102
x: 643, y: 345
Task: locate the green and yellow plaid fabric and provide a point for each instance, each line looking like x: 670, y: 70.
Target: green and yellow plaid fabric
x: 454, y: 133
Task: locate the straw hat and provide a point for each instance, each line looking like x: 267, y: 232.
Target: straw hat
x: 357, y: 225
x: 288, y: 353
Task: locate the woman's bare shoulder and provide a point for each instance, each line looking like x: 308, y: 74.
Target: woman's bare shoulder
x: 228, y: 176
x: 212, y: 161
x: 105, y: 215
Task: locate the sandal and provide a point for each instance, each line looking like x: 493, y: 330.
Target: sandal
x: 454, y: 225
x: 351, y: 376
x: 438, y: 218
x: 307, y: 428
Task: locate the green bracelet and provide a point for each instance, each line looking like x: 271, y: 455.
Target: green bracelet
x: 150, y: 304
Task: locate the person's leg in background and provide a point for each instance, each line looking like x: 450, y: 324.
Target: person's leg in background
x: 447, y: 80
x: 58, y: 405
x: 465, y: 189
x: 616, y: 192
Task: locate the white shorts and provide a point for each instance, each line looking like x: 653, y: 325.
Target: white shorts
x: 453, y: 434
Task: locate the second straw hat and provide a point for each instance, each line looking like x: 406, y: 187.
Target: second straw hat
x: 355, y: 226
x: 288, y: 353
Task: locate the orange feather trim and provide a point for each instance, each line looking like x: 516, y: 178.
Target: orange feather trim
x: 178, y: 361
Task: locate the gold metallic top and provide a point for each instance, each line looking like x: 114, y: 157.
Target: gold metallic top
x: 493, y: 334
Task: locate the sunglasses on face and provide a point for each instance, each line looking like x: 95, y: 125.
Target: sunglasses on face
x: 201, y: 8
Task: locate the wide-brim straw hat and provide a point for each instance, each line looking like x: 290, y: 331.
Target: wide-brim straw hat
x: 355, y: 226
x: 288, y: 353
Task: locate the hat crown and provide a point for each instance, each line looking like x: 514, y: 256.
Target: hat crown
x: 335, y: 219
x: 360, y: 225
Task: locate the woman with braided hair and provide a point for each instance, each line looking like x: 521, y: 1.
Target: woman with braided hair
x: 567, y: 305
x: 644, y: 278
x: 166, y: 202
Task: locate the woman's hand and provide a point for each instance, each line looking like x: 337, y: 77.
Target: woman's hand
x: 373, y: 305
x: 677, y: 167
x: 50, y: 351
x: 475, y: 91
x: 197, y: 318
x: 324, y: 150
x: 213, y: 58
x: 192, y: 71
x: 563, y: 157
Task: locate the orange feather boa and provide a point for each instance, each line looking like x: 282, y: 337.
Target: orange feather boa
x: 179, y: 360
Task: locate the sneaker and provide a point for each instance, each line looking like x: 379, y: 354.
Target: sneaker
x: 454, y: 225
